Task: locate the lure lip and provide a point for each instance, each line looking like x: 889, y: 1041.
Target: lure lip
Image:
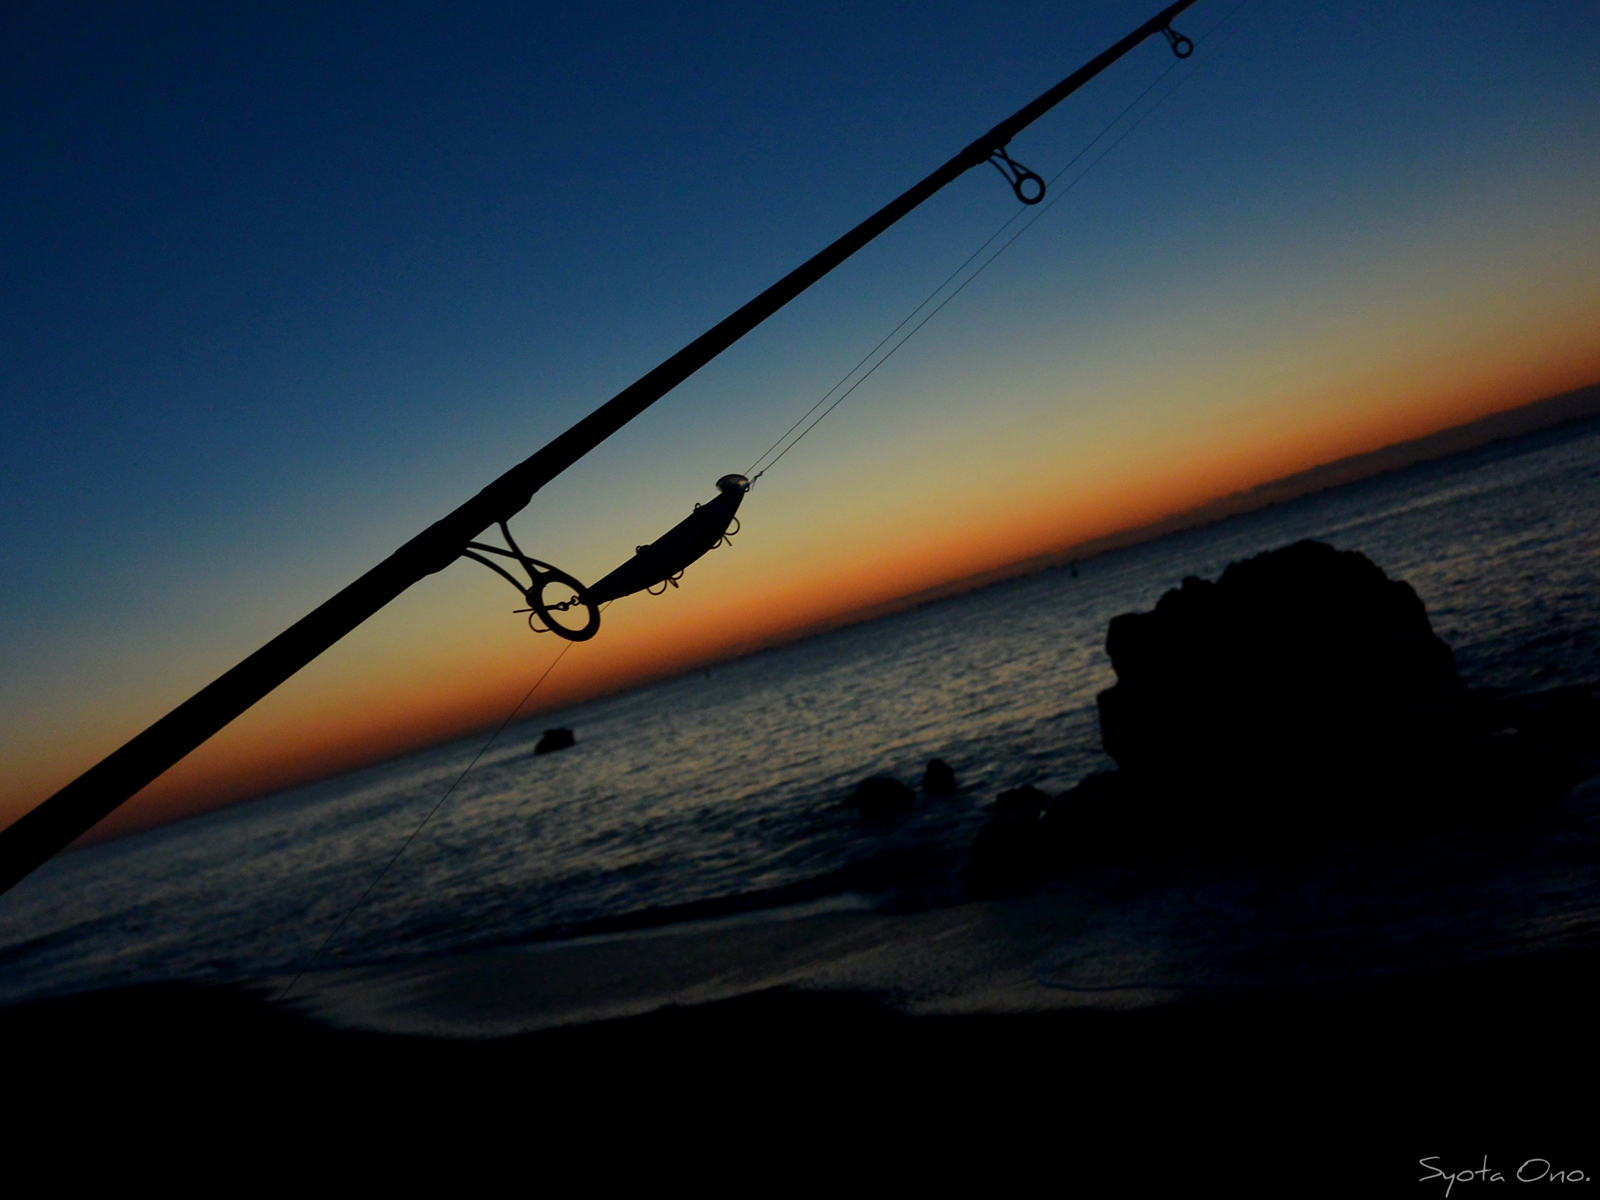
x: 733, y: 483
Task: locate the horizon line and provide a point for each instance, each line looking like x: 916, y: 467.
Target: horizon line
x: 1550, y: 412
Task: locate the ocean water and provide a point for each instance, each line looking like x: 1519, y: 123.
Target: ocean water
x: 722, y: 791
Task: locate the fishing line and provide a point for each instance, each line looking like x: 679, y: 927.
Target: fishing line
x: 406, y: 845
x: 1035, y: 215
x: 926, y: 300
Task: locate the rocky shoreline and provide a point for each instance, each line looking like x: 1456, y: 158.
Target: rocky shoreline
x: 1301, y: 700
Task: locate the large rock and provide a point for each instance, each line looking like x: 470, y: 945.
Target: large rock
x: 1301, y: 699
x: 1300, y: 670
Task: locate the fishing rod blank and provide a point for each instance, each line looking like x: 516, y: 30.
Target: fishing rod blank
x: 76, y: 808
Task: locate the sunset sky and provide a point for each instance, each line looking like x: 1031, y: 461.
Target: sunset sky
x: 283, y: 283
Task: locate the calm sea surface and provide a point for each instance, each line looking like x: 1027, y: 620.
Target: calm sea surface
x: 722, y: 791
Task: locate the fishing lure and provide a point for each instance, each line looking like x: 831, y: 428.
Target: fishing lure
x: 551, y: 592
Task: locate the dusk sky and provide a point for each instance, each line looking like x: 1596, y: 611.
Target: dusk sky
x: 282, y: 284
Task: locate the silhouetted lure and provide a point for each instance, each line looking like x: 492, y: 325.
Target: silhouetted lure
x: 664, y: 560
x: 552, y: 593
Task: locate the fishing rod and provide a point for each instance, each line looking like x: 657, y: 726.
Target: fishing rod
x: 72, y: 811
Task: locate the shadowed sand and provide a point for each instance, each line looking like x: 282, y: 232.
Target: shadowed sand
x: 1351, y: 1084
x: 1112, y: 939
x: 970, y: 958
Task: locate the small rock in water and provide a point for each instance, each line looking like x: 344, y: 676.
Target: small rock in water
x: 879, y: 796
x: 555, y: 739
x: 939, y: 779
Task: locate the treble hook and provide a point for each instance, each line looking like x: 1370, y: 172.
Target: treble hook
x: 1016, y: 175
x: 1181, y: 46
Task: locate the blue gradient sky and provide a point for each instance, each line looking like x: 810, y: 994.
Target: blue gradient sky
x: 283, y: 283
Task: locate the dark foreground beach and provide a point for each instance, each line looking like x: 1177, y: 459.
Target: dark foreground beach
x: 1325, y: 1090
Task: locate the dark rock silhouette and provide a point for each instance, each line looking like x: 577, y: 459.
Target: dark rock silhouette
x: 1303, y: 698
x: 881, y: 796
x: 939, y: 779
x: 1022, y: 799
x: 1306, y: 657
x: 555, y: 739
x: 1564, y: 723
x: 1009, y: 850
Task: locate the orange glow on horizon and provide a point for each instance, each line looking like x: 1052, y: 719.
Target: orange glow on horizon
x: 318, y: 724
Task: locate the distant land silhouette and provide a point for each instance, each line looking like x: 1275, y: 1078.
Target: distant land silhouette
x: 1579, y: 405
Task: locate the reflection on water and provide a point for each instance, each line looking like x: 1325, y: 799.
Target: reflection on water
x: 725, y: 790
